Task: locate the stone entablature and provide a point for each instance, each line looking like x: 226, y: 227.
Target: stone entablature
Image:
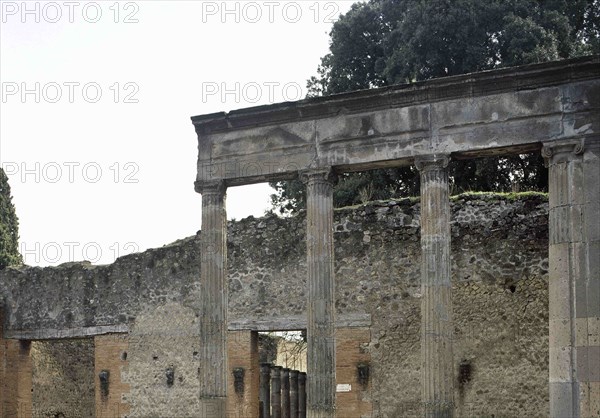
x: 495, y: 112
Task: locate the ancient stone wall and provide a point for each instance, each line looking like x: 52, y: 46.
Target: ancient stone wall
x: 63, y: 378
x: 499, y: 276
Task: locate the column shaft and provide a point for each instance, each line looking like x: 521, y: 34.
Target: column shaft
x: 265, y: 390
x: 301, y: 395
x: 285, y: 393
x: 293, y: 393
x: 321, y: 315
x: 574, y: 277
x: 437, y: 374
x: 213, y: 301
x: 276, y: 392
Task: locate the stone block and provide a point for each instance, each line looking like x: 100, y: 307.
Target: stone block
x: 560, y: 225
x: 559, y: 281
x: 588, y: 364
x: 561, y: 364
x: 593, y: 329
x: 589, y: 398
x: 592, y: 219
x: 561, y: 399
x: 560, y: 332
x: 593, y: 279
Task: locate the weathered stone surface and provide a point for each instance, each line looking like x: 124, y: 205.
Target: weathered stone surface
x: 574, y: 297
x: 499, y: 263
x: 63, y: 378
x: 502, y: 111
x: 163, y: 337
x: 213, y: 301
x: 320, y: 392
x: 437, y: 364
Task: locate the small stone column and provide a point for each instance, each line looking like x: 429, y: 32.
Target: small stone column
x: 293, y: 393
x: 285, y: 393
x: 301, y: 395
x: 265, y: 390
x: 574, y: 276
x: 437, y: 365
x: 213, y: 300
x: 276, y: 392
x: 321, y: 292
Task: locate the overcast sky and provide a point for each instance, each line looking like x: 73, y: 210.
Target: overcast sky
x: 95, y: 130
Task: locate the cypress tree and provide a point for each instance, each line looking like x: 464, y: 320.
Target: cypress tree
x: 9, y: 226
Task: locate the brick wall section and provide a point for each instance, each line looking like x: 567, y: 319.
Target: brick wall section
x: 15, y: 377
x: 350, y: 352
x: 110, y: 354
x: 243, y: 352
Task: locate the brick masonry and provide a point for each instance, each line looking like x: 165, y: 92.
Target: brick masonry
x: 111, y: 354
x: 15, y: 377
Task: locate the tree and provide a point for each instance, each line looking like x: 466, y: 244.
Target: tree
x: 9, y: 226
x: 384, y: 42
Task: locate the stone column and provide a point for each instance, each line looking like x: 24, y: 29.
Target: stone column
x: 213, y: 300
x: 301, y: 395
x: 321, y: 291
x: 276, y: 392
x: 293, y: 393
x: 437, y: 366
x: 574, y: 277
x: 285, y: 393
x: 265, y: 390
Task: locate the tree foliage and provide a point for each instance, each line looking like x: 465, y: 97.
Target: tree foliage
x: 9, y: 226
x: 384, y: 42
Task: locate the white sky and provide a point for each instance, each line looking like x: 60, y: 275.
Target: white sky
x: 95, y: 176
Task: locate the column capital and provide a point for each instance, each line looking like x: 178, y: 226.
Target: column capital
x: 562, y: 151
x: 276, y: 372
x: 320, y: 175
x: 211, y: 187
x: 432, y: 162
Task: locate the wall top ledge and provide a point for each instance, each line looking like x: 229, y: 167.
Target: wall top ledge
x: 468, y: 85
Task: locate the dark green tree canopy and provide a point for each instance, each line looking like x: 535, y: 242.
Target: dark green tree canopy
x: 384, y: 42
x: 9, y: 226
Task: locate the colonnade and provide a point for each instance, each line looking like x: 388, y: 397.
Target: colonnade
x: 574, y: 250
